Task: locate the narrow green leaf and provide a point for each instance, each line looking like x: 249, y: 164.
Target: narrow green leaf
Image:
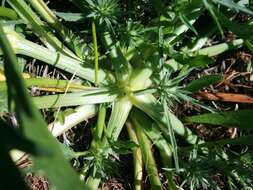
x: 186, y: 21
x: 123, y: 147
x: 243, y: 30
x: 74, y: 99
x: 70, y: 17
x: 234, y: 6
x: 243, y: 140
x: 9, y: 13
x: 209, y: 6
x: 60, y: 117
x: 3, y: 101
x: 242, y: 119
x: 34, y: 128
x: 12, y: 139
x: 202, y: 82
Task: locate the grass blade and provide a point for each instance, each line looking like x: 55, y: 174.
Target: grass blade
x: 242, y: 119
x: 56, y: 168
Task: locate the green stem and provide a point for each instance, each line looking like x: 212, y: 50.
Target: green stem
x: 95, y: 45
x: 43, y: 10
x: 148, y: 158
x: 100, y: 122
x: 171, y: 134
x: 137, y: 158
x: 140, y: 119
x: 25, y: 47
x: 97, y: 143
x: 26, y: 13
x: 9, y: 13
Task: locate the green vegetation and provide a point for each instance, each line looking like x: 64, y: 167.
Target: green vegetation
x: 127, y: 65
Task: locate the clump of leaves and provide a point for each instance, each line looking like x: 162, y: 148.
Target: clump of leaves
x: 104, y: 11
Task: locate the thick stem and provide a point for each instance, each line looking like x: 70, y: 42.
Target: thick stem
x: 68, y: 64
x: 100, y: 122
x: 120, y: 112
x: 151, y: 107
x: 44, y: 11
x: 26, y: 13
x: 82, y: 113
x: 73, y: 99
x: 148, y: 158
x: 141, y: 119
x: 137, y: 158
x: 209, y: 51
